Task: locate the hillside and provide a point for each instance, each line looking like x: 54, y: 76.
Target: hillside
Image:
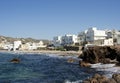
x: 24, y: 40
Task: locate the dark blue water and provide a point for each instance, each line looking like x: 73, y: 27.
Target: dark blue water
x: 40, y: 68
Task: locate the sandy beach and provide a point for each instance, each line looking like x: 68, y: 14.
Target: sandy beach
x: 62, y: 53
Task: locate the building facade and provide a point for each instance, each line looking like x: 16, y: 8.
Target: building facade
x: 16, y: 45
x: 94, y: 34
x: 65, y: 40
x: 57, y: 41
x: 82, y: 37
x: 69, y: 40
x: 115, y: 34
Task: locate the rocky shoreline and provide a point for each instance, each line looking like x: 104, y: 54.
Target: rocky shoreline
x: 101, y: 54
x: 90, y: 55
x: 97, y: 78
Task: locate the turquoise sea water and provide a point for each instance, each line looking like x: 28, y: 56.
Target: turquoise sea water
x: 41, y: 68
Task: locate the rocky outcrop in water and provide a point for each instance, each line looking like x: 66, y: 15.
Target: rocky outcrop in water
x: 100, y: 54
x: 84, y: 64
x: 97, y: 78
x: 15, y: 60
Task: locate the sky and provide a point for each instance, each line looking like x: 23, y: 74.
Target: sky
x: 44, y: 19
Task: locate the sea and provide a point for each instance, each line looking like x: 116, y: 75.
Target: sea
x: 44, y: 68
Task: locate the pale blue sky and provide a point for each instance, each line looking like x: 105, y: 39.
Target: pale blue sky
x: 44, y: 19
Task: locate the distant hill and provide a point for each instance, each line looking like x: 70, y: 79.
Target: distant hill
x: 24, y: 40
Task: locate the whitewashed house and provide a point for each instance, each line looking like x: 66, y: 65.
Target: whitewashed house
x: 25, y: 46
x: 69, y: 39
x: 31, y: 46
x: 57, y: 41
x: 115, y: 34
x: 7, y: 46
x: 82, y: 37
x: 75, y: 39
x: 96, y: 37
x: 41, y: 45
x: 116, y: 37
x: 94, y: 34
x: 108, y: 42
x: 16, y: 45
x: 65, y: 40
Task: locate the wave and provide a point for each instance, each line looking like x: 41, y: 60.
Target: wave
x: 61, y: 56
x: 108, y: 69
x: 102, y: 66
x: 78, y: 81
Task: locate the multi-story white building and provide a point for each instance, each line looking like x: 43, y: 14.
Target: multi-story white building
x: 69, y: 39
x: 94, y: 34
x: 57, y: 41
x: 75, y: 39
x: 115, y: 34
x: 16, y: 45
x: 65, y: 40
x: 91, y: 36
x: 82, y: 37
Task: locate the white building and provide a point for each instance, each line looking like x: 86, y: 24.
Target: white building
x: 28, y: 46
x: 82, y: 37
x: 94, y: 34
x: 75, y: 39
x: 108, y: 42
x: 57, y: 41
x: 96, y: 37
x: 69, y: 39
x: 65, y: 40
x: 41, y: 45
x: 115, y: 34
x: 31, y: 46
x: 7, y: 46
x: 16, y: 45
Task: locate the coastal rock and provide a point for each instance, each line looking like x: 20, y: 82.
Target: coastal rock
x: 70, y: 60
x: 116, y: 77
x: 118, y: 53
x: 93, y: 80
x: 84, y: 64
x: 97, y: 78
x: 86, y: 81
x: 102, y: 79
x: 100, y: 54
x: 111, y: 80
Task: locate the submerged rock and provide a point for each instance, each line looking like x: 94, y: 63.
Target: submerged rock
x: 15, y: 60
x: 84, y: 64
x: 70, y: 60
